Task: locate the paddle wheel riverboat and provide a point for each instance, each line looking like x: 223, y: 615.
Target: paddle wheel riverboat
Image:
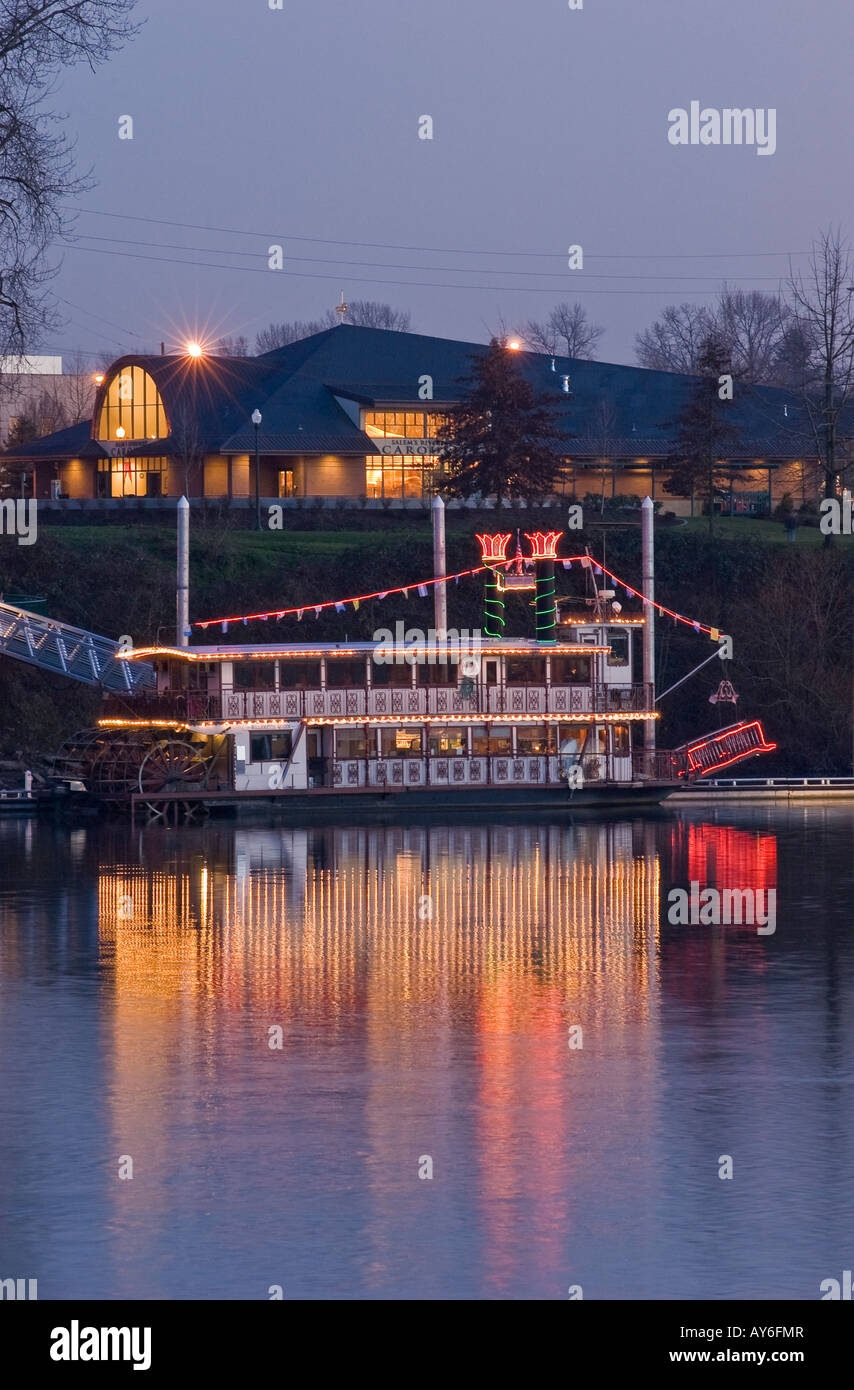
x: 446, y: 721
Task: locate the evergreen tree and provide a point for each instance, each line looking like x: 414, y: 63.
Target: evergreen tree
x: 705, y: 436
x: 503, y: 439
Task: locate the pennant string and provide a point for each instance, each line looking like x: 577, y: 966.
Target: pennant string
x: 425, y: 584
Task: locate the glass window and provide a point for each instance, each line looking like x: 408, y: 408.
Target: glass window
x: 350, y: 743
x: 265, y: 748
x: 500, y: 740
x: 398, y: 476
x: 344, y: 673
x: 534, y: 738
x: 479, y: 740
x: 414, y: 425
x: 619, y: 653
x: 570, y: 670
x: 622, y: 742
x: 523, y: 670
x: 447, y: 742
x: 394, y: 674
x: 299, y: 675
x: 255, y: 675
x: 572, y: 740
x: 132, y: 404
x: 400, y: 743
x: 437, y: 675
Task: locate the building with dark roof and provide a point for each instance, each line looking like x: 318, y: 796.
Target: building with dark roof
x: 353, y: 412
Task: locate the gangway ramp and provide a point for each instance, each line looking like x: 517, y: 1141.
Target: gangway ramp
x: 69, y: 651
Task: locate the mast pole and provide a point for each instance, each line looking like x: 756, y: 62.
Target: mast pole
x: 648, y: 548
x: 183, y: 585
x: 440, y: 591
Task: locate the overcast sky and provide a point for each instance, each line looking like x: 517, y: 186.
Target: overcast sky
x: 550, y: 129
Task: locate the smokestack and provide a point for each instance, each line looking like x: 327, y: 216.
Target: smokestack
x: 183, y: 586
x: 544, y: 553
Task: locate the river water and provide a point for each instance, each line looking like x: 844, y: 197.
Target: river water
x: 426, y: 1062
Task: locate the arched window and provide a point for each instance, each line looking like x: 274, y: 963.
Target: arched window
x: 132, y: 408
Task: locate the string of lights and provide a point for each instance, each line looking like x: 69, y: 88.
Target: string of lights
x: 422, y: 585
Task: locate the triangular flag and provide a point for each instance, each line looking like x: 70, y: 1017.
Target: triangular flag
x: 385, y: 595
x: 225, y: 627
x: 567, y: 564
x: 245, y: 622
x: 696, y: 627
x: 339, y: 608
x: 405, y: 593
x: 317, y: 611
x: 422, y: 590
x: 714, y: 634
x: 299, y: 615
x: 356, y: 604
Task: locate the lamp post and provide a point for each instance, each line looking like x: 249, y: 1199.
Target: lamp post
x: 256, y: 420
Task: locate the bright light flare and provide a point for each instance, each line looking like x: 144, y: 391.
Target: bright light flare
x: 195, y: 350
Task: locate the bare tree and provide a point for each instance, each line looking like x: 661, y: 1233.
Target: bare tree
x: 279, y: 335
x: 822, y: 305
x: 751, y: 325
x: 364, y: 313
x: 188, y: 449
x: 233, y: 347
x: 567, y: 331
x: 674, y: 343
x: 38, y: 38
x: 370, y: 313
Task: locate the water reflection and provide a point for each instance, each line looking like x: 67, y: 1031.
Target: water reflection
x: 425, y: 980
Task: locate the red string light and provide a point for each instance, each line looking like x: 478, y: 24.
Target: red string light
x: 445, y: 579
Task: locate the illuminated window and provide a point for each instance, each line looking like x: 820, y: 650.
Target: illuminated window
x: 400, y: 743
x: 395, y: 476
x: 132, y: 403
x: 622, y: 743
x: 403, y: 424
x: 446, y: 742
x: 131, y: 477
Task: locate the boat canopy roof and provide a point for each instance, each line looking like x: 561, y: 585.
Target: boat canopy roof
x: 463, y: 644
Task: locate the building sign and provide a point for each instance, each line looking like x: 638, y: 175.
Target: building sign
x: 411, y: 448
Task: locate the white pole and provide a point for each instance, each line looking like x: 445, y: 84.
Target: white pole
x: 648, y: 549
x: 183, y: 589
x: 440, y: 591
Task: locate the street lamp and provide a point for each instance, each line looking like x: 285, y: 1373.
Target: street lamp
x: 256, y: 420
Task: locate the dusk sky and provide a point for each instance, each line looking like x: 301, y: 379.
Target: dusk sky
x: 300, y: 127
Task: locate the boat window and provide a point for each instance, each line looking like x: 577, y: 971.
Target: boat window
x: 570, y: 670
x: 437, y: 675
x: 525, y: 670
x: 479, y: 740
x: 572, y: 739
x: 500, y: 739
x: 400, y: 743
x: 299, y: 675
x: 534, y: 738
x: 265, y: 748
x: 621, y: 740
x: 350, y: 743
x: 255, y: 675
x: 447, y: 742
x: 343, y: 673
x: 619, y: 653
x: 394, y: 674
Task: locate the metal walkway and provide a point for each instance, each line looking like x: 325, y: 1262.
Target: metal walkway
x: 69, y: 651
